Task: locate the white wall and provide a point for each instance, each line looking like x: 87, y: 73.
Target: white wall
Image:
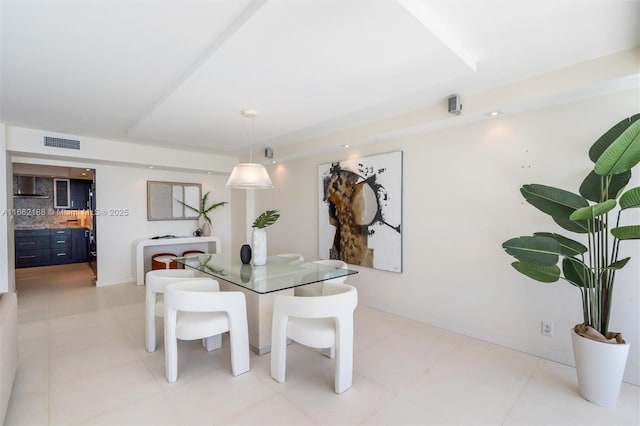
x: 126, y: 188
x: 21, y: 140
x: 7, y: 276
x: 461, y: 201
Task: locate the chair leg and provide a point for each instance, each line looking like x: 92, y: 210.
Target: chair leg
x: 344, y: 355
x: 212, y: 342
x: 150, y: 321
x: 279, y: 348
x: 239, y: 341
x: 170, y: 347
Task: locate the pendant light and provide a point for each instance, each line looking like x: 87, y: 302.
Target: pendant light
x: 249, y: 175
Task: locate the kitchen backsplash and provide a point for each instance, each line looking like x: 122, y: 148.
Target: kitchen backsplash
x: 32, y: 212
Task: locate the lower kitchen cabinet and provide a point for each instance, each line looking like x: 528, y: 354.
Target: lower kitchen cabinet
x: 41, y: 247
x: 32, y: 247
x: 32, y: 257
x: 60, y: 245
x: 79, y: 245
x: 60, y: 255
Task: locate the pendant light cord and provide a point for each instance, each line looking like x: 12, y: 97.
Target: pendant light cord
x: 253, y: 138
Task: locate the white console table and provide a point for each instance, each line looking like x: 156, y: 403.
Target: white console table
x: 148, y: 247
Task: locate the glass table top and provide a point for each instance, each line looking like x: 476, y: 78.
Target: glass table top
x: 279, y: 273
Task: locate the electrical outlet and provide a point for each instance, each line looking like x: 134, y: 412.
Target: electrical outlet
x: 547, y: 328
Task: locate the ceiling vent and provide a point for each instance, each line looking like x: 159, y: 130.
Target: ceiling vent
x: 61, y: 143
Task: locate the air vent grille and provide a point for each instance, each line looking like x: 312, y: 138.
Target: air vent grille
x: 61, y: 143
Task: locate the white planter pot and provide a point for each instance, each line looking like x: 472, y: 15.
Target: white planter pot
x: 600, y: 367
x: 259, y: 246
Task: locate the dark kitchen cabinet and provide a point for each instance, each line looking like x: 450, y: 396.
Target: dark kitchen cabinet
x: 60, y: 245
x: 36, y: 239
x: 41, y: 247
x: 80, y: 245
x: 61, y: 194
x: 30, y: 257
x: 79, y: 190
x: 32, y: 247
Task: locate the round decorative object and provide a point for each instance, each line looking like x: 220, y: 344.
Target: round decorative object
x: 245, y: 254
x: 259, y: 246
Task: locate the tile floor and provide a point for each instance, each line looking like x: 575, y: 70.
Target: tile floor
x: 83, y: 361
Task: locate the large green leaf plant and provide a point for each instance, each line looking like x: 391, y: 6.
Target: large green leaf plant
x: 548, y: 257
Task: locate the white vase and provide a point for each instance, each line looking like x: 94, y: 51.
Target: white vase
x: 600, y: 367
x: 204, y: 226
x: 259, y: 246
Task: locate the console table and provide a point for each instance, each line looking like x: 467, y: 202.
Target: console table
x: 147, y: 247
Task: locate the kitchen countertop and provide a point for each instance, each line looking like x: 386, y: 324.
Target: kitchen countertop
x: 28, y: 227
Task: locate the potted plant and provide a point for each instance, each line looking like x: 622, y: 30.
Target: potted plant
x: 203, y: 213
x: 600, y: 355
x: 265, y: 219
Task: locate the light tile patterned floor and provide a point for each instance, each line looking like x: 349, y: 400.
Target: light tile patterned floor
x: 83, y: 361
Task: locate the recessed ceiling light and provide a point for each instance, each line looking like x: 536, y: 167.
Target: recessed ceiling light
x: 495, y: 113
x: 151, y: 167
x: 346, y: 145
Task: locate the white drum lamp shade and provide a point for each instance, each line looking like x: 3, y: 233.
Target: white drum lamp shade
x: 249, y: 176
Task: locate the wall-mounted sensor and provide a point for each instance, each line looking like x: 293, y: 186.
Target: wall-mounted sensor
x: 268, y: 153
x: 454, y: 105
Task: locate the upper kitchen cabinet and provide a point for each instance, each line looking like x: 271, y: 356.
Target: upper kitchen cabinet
x: 61, y: 194
x: 71, y: 194
x: 80, y: 194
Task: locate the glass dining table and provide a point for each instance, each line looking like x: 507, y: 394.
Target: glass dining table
x: 260, y: 284
x: 279, y: 273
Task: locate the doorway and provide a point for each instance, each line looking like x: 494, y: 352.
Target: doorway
x: 54, y: 222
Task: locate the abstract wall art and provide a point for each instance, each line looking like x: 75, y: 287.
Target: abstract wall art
x: 360, y: 211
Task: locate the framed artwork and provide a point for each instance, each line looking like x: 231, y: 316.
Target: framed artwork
x: 360, y: 211
x: 163, y: 197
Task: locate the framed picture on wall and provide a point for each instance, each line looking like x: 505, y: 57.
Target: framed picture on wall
x: 164, y: 200
x: 360, y: 211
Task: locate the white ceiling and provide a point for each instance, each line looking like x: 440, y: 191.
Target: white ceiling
x: 180, y: 71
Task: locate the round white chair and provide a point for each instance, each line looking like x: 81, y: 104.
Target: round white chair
x: 293, y: 258
x: 323, y: 322
x: 316, y: 288
x: 155, y: 282
x: 195, y: 309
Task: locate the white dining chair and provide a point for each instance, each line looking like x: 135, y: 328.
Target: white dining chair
x: 195, y: 309
x: 323, y: 322
x: 315, y: 289
x: 155, y: 283
x: 294, y: 258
